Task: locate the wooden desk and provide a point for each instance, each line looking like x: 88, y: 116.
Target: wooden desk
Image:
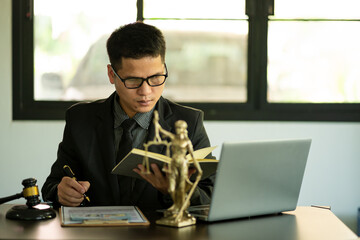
x: 303, y: 223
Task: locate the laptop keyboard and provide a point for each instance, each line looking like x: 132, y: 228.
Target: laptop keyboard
x: 202, y: 210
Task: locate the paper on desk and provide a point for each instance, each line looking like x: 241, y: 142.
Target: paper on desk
x: 104, y: 213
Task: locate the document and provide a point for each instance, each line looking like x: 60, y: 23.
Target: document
x: 136, y: 156
x: 102, y: 215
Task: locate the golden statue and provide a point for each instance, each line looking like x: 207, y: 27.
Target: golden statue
x: 180, y: 186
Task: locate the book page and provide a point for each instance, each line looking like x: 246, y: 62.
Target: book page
x: 136, y: 156
x: 201, y: 153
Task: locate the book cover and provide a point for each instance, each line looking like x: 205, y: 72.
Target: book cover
x: 136, y: 156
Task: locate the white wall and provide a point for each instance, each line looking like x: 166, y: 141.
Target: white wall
x: 28, y: 148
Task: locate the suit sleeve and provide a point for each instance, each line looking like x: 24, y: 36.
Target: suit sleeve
x: 203, y: 192
x: 65, y: 156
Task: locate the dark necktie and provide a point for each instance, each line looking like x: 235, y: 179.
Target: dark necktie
x: 126, y: 141
x: 125, y: 146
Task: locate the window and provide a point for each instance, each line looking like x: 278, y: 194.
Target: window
x: 236, y: 60
x: 70, y: 47
x: 313, y: 54
x: 206, y: 50
x: 206, y: 60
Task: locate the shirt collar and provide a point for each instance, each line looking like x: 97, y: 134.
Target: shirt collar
x: 143, y: 119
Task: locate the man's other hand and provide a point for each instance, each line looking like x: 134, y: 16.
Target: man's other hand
x: 155, y: 178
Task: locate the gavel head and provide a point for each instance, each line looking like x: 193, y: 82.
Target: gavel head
x: 31, y: 192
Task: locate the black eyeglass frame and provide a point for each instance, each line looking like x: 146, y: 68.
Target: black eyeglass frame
x: 143, y: 79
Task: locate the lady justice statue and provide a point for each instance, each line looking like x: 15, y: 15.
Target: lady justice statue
x: 180, y: 187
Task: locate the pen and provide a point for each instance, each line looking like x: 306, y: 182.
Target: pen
x: 71, y: 174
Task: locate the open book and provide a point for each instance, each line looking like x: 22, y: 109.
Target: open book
x: 136, y: 156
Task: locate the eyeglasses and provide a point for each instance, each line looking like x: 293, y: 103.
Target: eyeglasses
x: 136, y: 82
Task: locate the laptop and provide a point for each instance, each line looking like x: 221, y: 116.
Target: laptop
x: 256, y: 178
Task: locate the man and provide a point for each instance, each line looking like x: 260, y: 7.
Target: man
x: 94, y: 133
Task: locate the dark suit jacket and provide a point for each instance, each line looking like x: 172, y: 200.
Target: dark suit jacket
x: 88, y: 148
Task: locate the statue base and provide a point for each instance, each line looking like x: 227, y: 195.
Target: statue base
x: 185, y: 221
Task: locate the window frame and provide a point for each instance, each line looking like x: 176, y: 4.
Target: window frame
x: 256, y: 108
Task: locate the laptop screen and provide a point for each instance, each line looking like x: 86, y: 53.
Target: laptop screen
x: 258, y: 178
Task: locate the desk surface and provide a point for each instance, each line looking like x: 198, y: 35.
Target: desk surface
x: 303, y: 223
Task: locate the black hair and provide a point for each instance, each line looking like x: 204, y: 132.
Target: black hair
x: 135, y: 40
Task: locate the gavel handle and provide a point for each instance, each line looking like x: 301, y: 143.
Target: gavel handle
x: 12, y: 197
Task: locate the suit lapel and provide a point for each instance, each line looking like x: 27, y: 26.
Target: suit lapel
x: 105, y: 134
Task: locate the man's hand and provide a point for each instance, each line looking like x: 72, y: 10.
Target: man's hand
x: 155, y: 178
x: 191, y: 171
x: 70, y: 192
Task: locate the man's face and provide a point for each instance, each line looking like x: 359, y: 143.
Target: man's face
x: 141, y: 99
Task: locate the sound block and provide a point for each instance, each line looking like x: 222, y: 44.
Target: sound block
x: 23, y: 212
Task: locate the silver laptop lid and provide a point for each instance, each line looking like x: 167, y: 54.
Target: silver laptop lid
x: 257, y: 178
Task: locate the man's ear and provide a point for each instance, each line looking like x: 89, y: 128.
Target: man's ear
x: 111, y: 74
